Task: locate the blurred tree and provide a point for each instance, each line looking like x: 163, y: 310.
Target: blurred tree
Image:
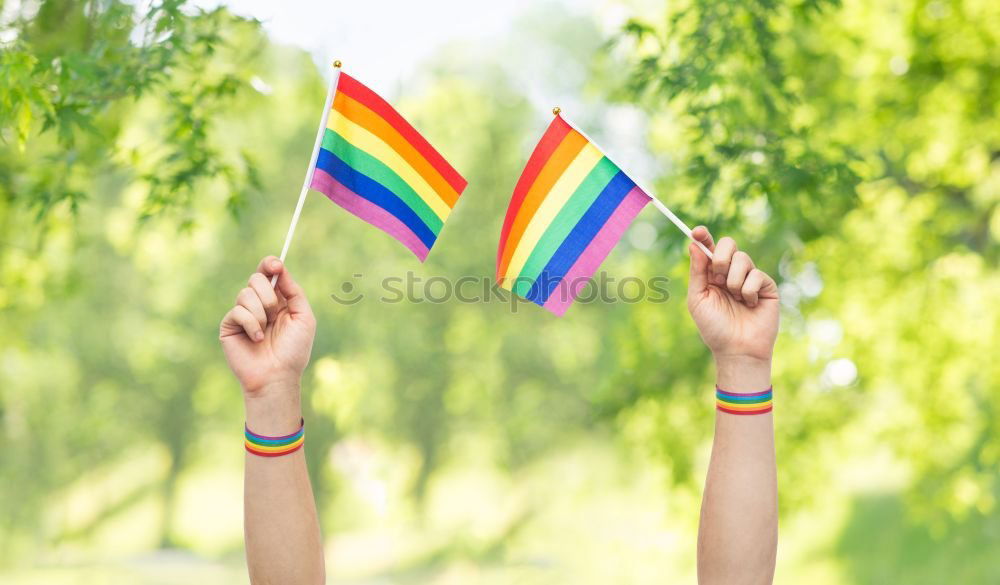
x: 71, y: 70
x: 99, y: 98
x: 855, y: 149
x: 732, y: 73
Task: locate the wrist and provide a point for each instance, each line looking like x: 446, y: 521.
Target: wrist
x: 742, y: 373
x: 271, y: 383
x: 275, y: 409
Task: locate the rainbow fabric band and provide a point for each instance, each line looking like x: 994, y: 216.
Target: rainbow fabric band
x: 274, y: 446
x: 755, y: 403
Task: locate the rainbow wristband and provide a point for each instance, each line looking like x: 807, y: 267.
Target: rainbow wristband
x: 275, y: 446
x: 755, y: 403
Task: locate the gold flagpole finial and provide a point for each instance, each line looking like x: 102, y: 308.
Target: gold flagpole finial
x: 556, y: 110
x: 337, y: 63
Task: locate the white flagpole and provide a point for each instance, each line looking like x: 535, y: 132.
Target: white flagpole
x: 656, y: 202
x: 312, y: 164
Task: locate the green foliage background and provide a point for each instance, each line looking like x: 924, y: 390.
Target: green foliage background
x: 149, y: 158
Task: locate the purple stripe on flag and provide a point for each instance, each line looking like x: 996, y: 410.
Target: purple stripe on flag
x: 597, y: 250
x: 368, y: 211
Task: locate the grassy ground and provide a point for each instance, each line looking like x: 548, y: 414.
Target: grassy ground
x: 586, y: 515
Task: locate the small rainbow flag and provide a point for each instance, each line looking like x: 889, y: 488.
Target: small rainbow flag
x: 374, y: 164
x: 569, y: 208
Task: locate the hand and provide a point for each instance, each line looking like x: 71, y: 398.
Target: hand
x: 267, y: 337
x: 733, y: 303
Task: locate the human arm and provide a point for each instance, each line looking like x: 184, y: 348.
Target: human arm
x: 735, y: 306
x: 267, y: 339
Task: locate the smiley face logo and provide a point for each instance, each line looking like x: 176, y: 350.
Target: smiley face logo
x: 348, y: 294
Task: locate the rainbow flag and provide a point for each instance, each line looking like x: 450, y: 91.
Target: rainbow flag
x: 374, y: 164
x: 569, y: 209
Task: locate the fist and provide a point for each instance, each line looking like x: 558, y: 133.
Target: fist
x: 734, y: 303
x: 268, y: 335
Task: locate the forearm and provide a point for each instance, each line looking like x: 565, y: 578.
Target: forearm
x: 283, y: 542
x: 738, y: 534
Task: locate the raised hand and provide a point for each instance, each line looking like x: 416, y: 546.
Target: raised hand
x: 268, y: 335
x: 734, y: 303
x: 735, y: 306
x: 267, y: 338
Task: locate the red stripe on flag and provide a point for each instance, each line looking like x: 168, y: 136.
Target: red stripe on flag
x: 359, y: 92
